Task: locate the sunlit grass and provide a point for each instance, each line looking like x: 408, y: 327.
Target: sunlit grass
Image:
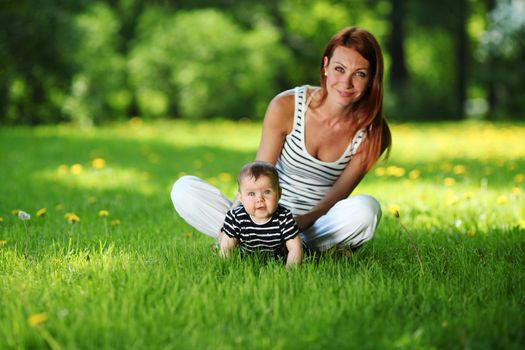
x: 104, y: 262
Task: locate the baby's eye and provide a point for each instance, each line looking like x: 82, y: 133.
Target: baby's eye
x: 251, y: 194
x: 267, y: 192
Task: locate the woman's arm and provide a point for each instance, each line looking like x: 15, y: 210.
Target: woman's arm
x: 347, y: 182
x: 295, y: 252
x: 277, y: 124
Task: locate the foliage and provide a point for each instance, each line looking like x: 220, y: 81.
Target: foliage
x: 99, y: 86
x: 502, y: 51
x: 95, y: 61
x: 109, y: 264
x: 33, y: 63
x: 429, y: 78
x: 201, y: 64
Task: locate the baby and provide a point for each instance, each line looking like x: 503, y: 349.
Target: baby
x: 260, y: 224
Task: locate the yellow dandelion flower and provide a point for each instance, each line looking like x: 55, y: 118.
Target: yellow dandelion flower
x: 501, y: 200
x: 103, y: 213
x: 519, y: 178
x: 41, y: 212
x: 459, y: 169
x: 63, y: 169
x: 225, y: 177
x: 414, y: 174
x: 15, y: 211
x: 135, y: 121
x: 115, y: 222
x: 446, y: 166
x: 71, y: 217
x: 36, y: 319
x: 395, y: 171
x: 98, y: 163
x: 449, y: 181
x: 197, y: 164
x: 380, y: 171
x: 516, y: 191
x: 76, y: 169
x: 468, y: 195
x: 395, y: 210
x: 452, y: 200
x: 3, y: 242
x: 153, y: 158
x: 92, y: 200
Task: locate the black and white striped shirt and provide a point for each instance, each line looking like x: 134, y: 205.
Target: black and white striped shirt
x: 304, y: 179
x: 268, y: 237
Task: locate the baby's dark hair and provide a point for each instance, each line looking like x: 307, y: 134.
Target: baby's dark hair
x: 257, y: 169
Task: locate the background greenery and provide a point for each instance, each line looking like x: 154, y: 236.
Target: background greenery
x: 176, y: 87
x: 141, y: 278
x: 90, y: 61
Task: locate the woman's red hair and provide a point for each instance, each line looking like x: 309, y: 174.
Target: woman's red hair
x: 368, y: 111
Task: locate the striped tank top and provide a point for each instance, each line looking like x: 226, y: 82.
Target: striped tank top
x: 304, y: 179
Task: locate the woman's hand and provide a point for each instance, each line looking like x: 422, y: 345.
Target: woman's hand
x: 304, y: 221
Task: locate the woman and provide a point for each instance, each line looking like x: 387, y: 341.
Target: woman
x: 322, y: 140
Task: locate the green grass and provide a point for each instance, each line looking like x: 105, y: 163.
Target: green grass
x: 151, y: 282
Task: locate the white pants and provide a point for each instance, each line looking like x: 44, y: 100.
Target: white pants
x: 350, y: 222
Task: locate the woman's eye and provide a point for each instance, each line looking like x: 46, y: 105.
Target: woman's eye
x: 340, y: 69
x: 361, y: 74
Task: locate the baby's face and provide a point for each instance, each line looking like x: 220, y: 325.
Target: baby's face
x: 259, y: 198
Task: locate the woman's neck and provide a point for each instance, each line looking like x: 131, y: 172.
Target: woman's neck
x: 332, y: 113
x: 322, y: 103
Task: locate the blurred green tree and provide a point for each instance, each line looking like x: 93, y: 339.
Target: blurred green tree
x: 34, y: 67
x: 200, y: 64
x: 429, y: 49
x: 96, y: 60
x: 502, y: 53
x: 99, y: 88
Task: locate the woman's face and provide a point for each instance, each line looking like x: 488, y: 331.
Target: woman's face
x: 347, y: 76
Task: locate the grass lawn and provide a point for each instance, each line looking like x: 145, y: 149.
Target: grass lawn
x: 140, y: 278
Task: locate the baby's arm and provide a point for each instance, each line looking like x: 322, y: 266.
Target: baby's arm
x: 295, y: 252
x: 227, y: 244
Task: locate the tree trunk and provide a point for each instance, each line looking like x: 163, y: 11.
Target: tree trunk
x: 492, y: 98
x: 461, y: 58
x: 398, y: 69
